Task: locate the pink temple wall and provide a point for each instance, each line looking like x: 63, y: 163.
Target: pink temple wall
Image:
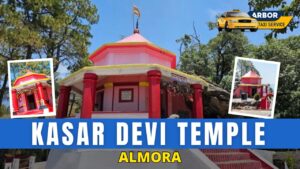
x: 108, y: 97
x: 237, y: 92
x: 251, y: 81
x: 127, y: 57
x: 111, y: 100
x: 143, y: 99
x: 111, y: 94
x: 131, y: 106
x: 239, y: 89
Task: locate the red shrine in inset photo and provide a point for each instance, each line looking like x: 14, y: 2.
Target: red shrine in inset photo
x: 31, y: 95
x: 250, y: 83
x: 254, y: 87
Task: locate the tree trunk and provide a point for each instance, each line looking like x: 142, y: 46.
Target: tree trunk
x: 55, y: 68
x: 3, y: 88
x: 29, y: 52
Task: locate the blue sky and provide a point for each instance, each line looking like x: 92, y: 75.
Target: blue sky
x: 268, y: 71
x: 164, y: 21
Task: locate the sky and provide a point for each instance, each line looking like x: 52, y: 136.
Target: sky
x: 164, y: 21
x: 268, y: 72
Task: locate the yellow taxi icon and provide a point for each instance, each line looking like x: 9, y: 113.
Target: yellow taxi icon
x: 236, y: 19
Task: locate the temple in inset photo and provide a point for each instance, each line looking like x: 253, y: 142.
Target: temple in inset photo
x: 31, y: 89
x: 250, y: 83
x: 254, y: 87
x: 32, y: 94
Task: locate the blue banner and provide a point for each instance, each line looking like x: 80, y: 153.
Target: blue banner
x: 150, y: 133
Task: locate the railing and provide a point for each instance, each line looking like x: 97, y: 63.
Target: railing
x: 21, y: 163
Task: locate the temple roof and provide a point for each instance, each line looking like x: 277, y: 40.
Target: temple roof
x: 132, y: 44
x: 136, y: 37
x: 75, y: 79
x: 251, y: 74
x: 30, y: 77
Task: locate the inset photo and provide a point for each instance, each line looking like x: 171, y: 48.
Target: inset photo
x: 254, y: 88
x: 31, y: 88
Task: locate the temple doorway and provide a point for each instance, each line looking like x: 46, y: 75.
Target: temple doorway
x: 254, y: 91
x: 31, y: 102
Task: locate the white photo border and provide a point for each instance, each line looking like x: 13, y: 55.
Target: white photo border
x: 275, y: 87
x: 50, y: 60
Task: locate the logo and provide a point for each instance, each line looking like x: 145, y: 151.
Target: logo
x: 270, y: 19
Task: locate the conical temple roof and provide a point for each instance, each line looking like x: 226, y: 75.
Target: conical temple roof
x: 251, y: 74
x: 127, y: 47
x: 28, y: 77
x: 136, y: 37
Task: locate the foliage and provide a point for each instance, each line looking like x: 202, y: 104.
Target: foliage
x: 21, y: 68
x: 220, y: 53
x: 291, y: 161
x: 177, y: 87
x: 194, y: 60
x: 223, y: 49
x: 244, y: 66
x: 4, y: 110
x: 215, y: 59
x: 287, y: 52
x: 52, y: 29
x: 226, y: 81
x: 45, y: 29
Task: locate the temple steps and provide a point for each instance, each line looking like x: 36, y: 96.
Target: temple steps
x: 219, y: 157
x: 235, y: 159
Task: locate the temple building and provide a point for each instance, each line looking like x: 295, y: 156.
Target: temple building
x: 132, y: 78
x: 32, y: 95
x: 250, y: 83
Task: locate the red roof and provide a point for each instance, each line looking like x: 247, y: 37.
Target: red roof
x: 29, y: 76
x: 135, y: 40
x: 136, y: 37
x: 251, y: 74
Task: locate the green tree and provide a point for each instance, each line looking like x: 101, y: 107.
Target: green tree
x: 223, y: 50
x: 287, y: 52
x: 21, y: 68
x: 3, y: 82
x: 215, y: 59
x: 194, y: 60
x: 244, y: 66
x: 193, y: 55
x: 39, y: 29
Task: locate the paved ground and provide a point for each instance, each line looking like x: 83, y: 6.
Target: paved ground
x: 40, y: 165
x: 266, y: 113
x: 239, y: 100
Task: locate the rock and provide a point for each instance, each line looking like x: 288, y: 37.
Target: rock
x: 216, y: 102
